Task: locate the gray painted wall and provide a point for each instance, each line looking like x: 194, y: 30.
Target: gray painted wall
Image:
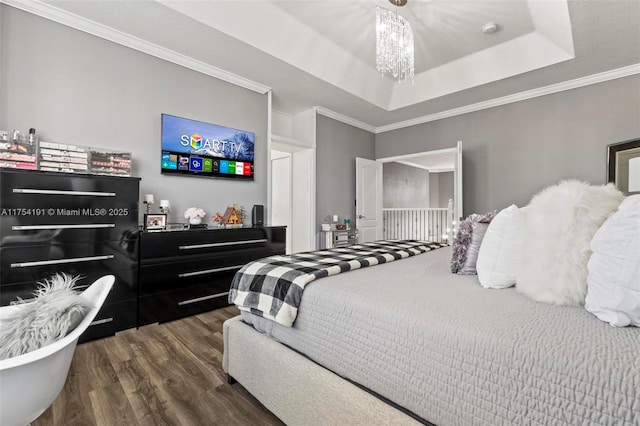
x: 404, y: 186
x: 445, y: 188
x: 79, y: 89
x: 513, y: 151
x: 338, y: 145
x: 440, y: 189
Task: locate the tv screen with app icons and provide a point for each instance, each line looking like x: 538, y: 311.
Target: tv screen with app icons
x: 195, y: 148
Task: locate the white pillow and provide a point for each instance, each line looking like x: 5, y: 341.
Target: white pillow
x: 559, y: 224
x: 499, y: 254
x: 613, y: 280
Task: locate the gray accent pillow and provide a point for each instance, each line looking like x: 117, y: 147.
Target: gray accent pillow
x: 56, y: 310
x: 467, y: 241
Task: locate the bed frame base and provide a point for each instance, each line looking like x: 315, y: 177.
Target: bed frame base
x: 295, y: 389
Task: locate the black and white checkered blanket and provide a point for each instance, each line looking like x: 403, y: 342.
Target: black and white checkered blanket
x: 272, y: 287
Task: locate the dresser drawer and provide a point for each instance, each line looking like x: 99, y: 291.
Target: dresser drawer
x: 21, y: 230
x: 183, y: 275
x: 36, y: 205
x: 111, y: 318
x: 167, y: 306
x: 196, y: 242
x: 180, y: 272
x: 123, y: 288
x: 33, y: 263
x: 25, y: 189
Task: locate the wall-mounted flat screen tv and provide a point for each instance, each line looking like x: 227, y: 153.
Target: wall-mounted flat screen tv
x: 195, y: 148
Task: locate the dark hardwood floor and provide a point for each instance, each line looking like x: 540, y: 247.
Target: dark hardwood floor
x: 160, y: 374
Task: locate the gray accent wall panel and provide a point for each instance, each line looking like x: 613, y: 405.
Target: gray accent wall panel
x: 405, y: 187
x: 513, y: 151
x: 338, y: 145
x: 80, y: 89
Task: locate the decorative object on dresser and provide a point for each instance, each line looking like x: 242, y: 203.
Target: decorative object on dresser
x: 257, y: 215
x: 77, y: 224
x: 155, y: 221
x: 184, y: 273
x: 165, y: 207
x: 195, y: 215
x: 148, y: 200
x: 17, y: 151
x: 232, y: 218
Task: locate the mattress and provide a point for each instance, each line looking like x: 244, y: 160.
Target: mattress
x: 452, y: 352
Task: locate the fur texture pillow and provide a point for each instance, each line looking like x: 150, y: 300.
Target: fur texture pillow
x: 467, y: 241
x: 56, y: 310
x: 559, y: 224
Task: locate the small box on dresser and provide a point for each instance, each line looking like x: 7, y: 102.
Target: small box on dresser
x: 78, y: 224
x: 185, y: 273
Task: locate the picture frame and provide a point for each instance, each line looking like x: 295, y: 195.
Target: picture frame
x: 155, y: 221
x: 623, y: 166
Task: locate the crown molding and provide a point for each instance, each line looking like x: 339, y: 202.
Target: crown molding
x: 55, y: 14
x: 517, y: 97
x: 345, y: 119
x: 52, y: 13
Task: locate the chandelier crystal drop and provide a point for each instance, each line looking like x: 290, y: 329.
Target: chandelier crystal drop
x: 394, y: 45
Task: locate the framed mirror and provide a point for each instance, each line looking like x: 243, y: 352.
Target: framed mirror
x: 623, y: 166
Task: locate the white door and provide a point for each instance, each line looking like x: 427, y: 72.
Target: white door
x: 292, y: 195
x: 368, y: 200
x: 303, y: 208
x: 457, y: 190
x: 281, y: 194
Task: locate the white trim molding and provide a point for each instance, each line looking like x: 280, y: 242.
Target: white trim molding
x: 517, y: 97
x: 345, y: 119
x: 55, y: 14
x: 60, y: 16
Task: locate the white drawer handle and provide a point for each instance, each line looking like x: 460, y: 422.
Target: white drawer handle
x: 40, y: 227
x: 60, y: 261
x: 200, y: 299
x: 59, y: 192
x: 101, y: 321
x: 227, y: 243
x: 208, y: 271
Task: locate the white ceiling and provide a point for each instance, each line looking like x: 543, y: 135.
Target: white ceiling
x: 321, y: 52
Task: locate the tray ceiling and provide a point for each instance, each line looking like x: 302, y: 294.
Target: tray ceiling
x: 322, y: 52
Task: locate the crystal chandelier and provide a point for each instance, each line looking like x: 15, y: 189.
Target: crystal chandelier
x: 394, y: 43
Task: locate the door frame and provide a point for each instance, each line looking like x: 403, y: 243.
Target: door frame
x: 456, y: 169
x: 293, y: 146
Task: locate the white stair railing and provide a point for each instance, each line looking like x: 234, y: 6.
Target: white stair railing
x: 419, y: 223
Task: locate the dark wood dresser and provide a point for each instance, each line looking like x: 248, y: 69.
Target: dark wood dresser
x: 83, y: 225
x: 188, y: 272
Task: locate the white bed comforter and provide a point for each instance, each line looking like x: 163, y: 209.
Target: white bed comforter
x: 452, y: 352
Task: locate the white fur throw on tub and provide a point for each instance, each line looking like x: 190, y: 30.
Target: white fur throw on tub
x: 559, y: 224
x: 56, y: 310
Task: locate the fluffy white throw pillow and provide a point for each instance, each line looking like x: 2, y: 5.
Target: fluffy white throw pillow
x: 559, y: 224
x: 613, y: 292
x: 499, y: 255
x: 56, y: 310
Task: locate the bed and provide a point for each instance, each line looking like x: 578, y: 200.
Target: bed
x: 408, y: 342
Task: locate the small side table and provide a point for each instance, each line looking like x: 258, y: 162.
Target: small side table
x: 334, y: 239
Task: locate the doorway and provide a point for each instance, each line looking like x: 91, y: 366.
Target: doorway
x: 441, y: 166
x: 293, y: 194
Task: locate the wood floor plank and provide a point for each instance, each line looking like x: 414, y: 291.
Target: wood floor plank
x: 111, y: 406
x: 148, y: 406
x: 160, y: 374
